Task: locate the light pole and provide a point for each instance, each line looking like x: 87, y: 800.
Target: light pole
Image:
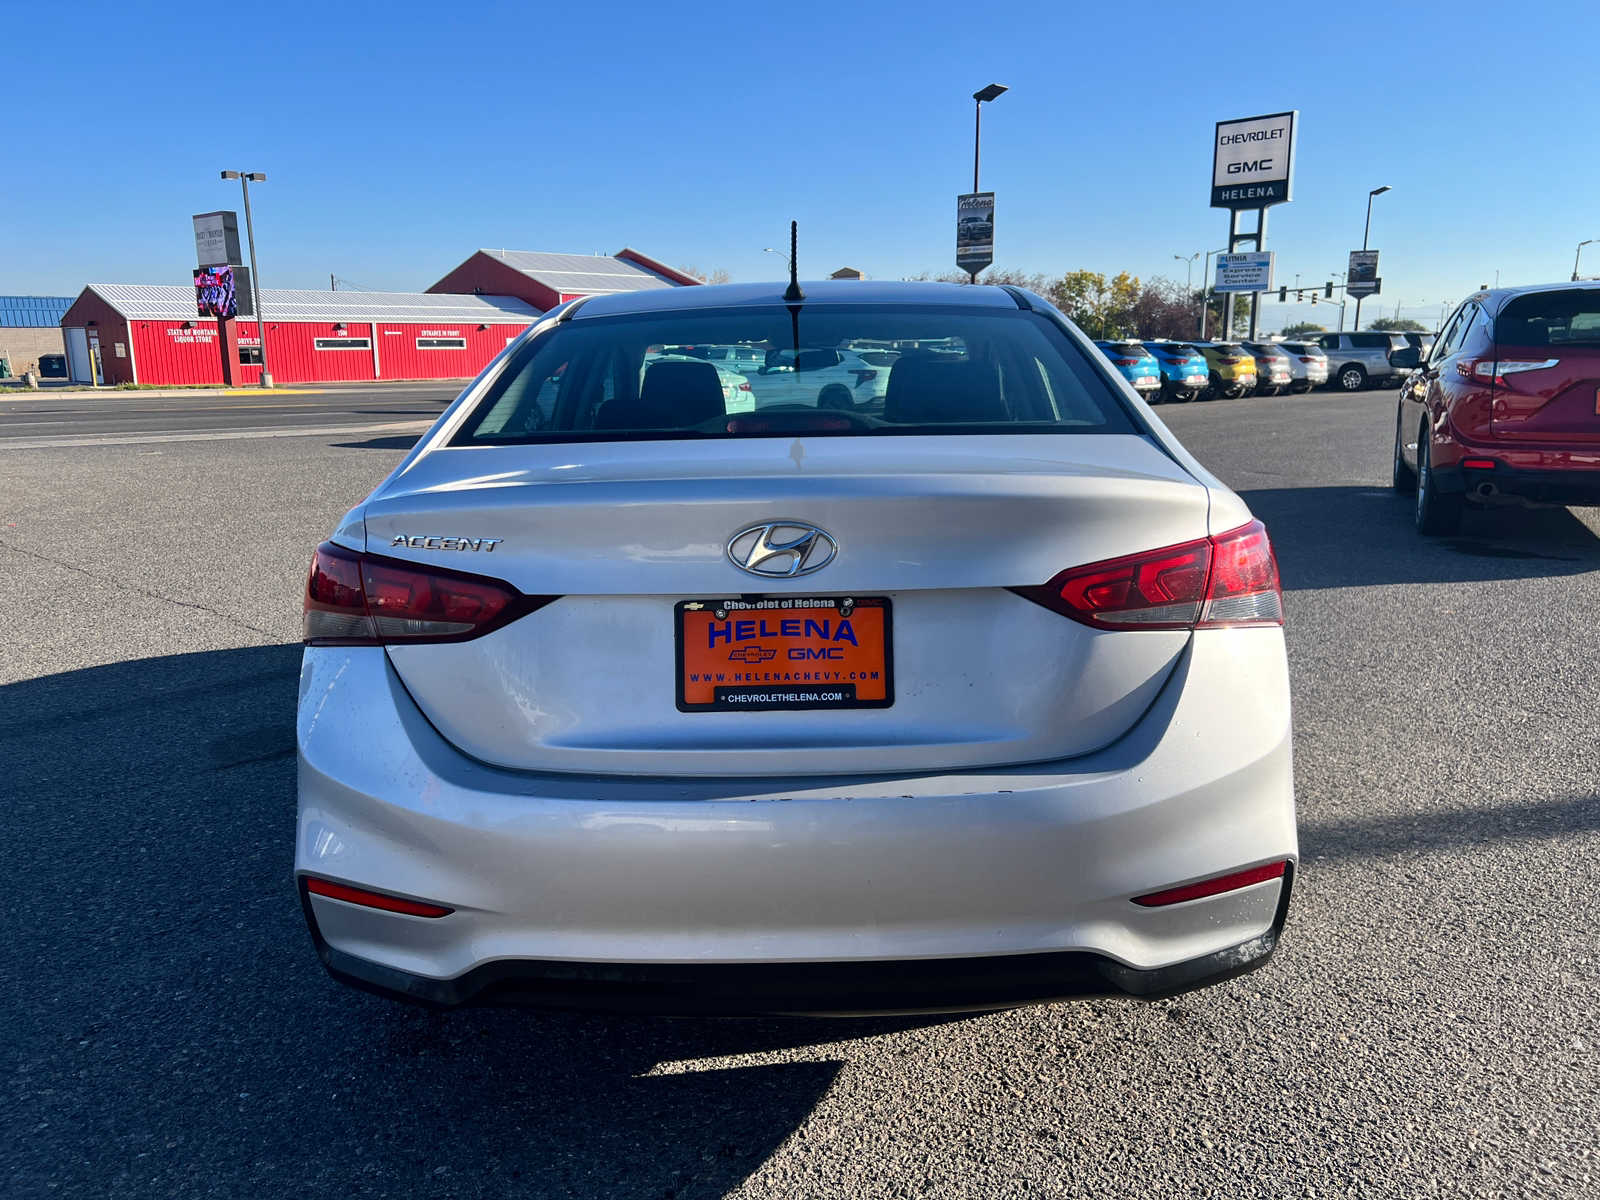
x: 780, y: 254
x: 983, y: 94
x: 1205, y: 290
x: 1378, y: 191
x: 246, y: 178
x: 1188, y: 278
x: 1577, y: 256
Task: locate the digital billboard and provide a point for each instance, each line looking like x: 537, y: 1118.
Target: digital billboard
x: 214, y: 294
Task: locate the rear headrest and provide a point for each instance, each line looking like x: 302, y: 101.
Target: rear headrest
x: 925, y: 391
x: 677, y: 394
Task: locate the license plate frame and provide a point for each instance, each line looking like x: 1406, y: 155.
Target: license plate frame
x: 841, y: 635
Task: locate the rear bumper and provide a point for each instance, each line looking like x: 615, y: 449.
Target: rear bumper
x: 949, y: 890
x: 802, y: 989
x: 1577, y: 485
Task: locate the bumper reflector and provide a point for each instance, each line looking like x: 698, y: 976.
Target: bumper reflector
x: 1478, y: 464
x: 1213, y: 887
x: 352, y: 895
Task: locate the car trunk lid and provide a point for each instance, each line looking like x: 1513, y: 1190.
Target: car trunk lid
x: 939, y: 528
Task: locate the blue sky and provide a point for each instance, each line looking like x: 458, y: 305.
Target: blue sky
x: 400, y: 137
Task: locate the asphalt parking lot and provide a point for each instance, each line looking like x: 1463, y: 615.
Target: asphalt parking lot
x: 1429, y: 1027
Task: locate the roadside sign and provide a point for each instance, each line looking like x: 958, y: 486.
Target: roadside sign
x: 1252, y: 161
x: 1249, y: 272
x: 974, y: 231
x: 1362, y: 279
x: 216, y: 239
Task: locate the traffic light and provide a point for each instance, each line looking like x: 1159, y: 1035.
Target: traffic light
x: 1327, y: 291
x: 1283, y: 295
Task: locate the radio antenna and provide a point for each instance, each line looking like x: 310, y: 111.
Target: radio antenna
x: 793, y: 295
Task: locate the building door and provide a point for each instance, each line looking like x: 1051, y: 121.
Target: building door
x: 78, y: 356
x: 94, y: 358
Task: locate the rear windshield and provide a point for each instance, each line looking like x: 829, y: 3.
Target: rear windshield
x: 1176, y: 349
x: 1551, y: 319
x: 834, y: 370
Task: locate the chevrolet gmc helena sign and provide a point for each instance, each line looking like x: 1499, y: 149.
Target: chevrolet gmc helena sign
x: 1252, y: 161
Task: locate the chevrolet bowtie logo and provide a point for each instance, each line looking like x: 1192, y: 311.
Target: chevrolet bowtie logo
x: 751, y: 655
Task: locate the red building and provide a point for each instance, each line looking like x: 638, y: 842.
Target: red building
x: 545, y: 280
x: 149, y: 333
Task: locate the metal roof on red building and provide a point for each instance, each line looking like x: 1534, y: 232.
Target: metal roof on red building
x: 176, y: 302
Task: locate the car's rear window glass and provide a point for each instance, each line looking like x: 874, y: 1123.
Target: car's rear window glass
x: 757, y: 372
x: 1551, y: 319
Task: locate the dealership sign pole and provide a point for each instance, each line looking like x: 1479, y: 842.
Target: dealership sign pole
x: 217, y: 276
x: 1252, y: 168
x: 974, y: 232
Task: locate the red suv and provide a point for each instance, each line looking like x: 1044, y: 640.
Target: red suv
x: 1507, y: 407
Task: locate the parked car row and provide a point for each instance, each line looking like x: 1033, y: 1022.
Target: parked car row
x: 1349, y: 361
x: 1183, y: 371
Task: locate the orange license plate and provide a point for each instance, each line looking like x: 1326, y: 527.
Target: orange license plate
x: 785, y: 653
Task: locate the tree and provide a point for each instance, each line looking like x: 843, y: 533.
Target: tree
x: 1099, y: 307
x: 1397, y: 325
x: 717, y: 276
x: 1303, y: 327
x: 1166, y: 309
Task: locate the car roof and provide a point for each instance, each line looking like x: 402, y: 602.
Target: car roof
x: 819, y: 292
x: 1494, y: 299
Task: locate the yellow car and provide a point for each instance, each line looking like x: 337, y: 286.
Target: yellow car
x: 1233, y: 369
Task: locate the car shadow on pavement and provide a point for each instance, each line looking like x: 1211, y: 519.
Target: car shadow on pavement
x: 1376, y: 836
x: 174, y: 1033
x: 398, y: 442
x: 1353, y: 536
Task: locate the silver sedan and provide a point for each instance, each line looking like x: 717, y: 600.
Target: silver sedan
x: 615, y: 697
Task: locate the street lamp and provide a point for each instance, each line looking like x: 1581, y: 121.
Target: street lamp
x: 779, y: 253
x: 1579, y: 255
x: 983, y: 94
x: 246, y: 178
x: 1378, y: 191
x: 1188, y: 279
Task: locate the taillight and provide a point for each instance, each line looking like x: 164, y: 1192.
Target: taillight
x: 863, y: 375
x: 363, y: 600
x: 1126, y: 362
x: 1497, y: 369
x: 1304, y: 359
x: 1231, y: 579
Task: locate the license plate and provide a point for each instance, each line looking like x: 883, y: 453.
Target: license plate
x: 784, y: 653
x: 1146, y: 383
x: 1195, y: 380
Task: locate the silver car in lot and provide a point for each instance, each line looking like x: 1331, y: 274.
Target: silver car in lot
x: 1365, y: 359
x: 1308, y: 365
x: 614, y: 698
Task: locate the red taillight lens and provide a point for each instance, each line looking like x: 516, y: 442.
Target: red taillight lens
x: 1244, y: 587
x: 1213, y: 887
x: 362, y: 600
x: 1163, y: 590
x: 1479, y: 464
x: 1303, y: 358
x: 1126, y: 362
x: 354, y: 895
x: 1227, y: 580
x: 863, y: 375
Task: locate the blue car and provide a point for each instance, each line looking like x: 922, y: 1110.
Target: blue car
x: 1184, y: 373
x: 1138, y: 366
